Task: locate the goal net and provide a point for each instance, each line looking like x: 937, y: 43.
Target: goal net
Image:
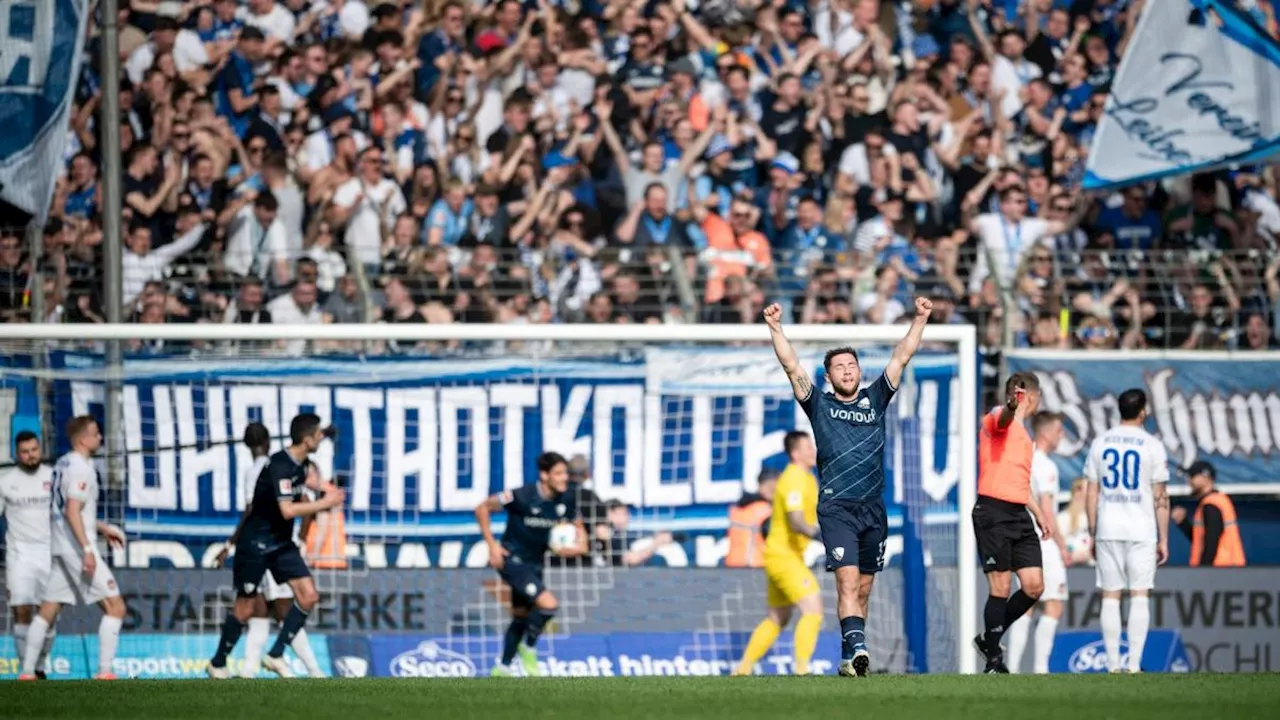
x: 667, y: 428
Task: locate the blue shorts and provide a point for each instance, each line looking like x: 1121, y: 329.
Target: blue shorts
x: 285, y: 564
x: 525, y: 580
x: 854, y: 533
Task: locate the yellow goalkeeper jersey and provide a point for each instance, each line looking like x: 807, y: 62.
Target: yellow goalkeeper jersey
x: 797, y: 490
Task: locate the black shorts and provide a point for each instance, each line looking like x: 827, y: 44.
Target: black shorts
x: 1007, y: 538
x: 854, y: 533
x: 285, y: 564
x: 525, y: 580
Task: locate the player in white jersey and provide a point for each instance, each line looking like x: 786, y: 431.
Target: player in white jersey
x: 276, y: 597
x: 78, y: 575
x: 1047, y: 430
x: 1128, y: 509
x: 25, y: 489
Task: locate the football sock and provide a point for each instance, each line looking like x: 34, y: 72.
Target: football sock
x: 1139, y: 621
x: 293, y: 622
x: 515, y: 633
x: 1018, y: 633
x: 108, y: 641
x: 302, y: 648
x: 1109, y: 618
x: 806, y: 640
x: 853, y: 633
x: 46, y: 648
x: 993, y: 616
x: 538, y: 620
x: 762, y: 639
x: 231, y: 629
x: 1046, y: 629
x: 20, y: 639
x: 35, y: 640
x: 1017, y: 606
x: 255, y: 643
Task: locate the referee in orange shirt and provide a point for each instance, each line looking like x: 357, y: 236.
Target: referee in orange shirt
x: 1007, y: 540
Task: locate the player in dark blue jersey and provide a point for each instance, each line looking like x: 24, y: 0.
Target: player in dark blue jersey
x: 848, y: 429
x: 264, y: 542
x: 532, y: 511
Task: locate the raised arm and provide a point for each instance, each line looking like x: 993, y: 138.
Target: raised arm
x: 907, y: 347
x: 801, y: 384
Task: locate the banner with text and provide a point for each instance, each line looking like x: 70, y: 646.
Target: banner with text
x: 1219, y: 407
x: 1196, y: 90
x: 678, y: 434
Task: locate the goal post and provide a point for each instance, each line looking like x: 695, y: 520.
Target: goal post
x: 687, y: 372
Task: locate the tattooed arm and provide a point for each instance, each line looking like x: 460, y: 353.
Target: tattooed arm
x: 1160, y: 491
x: 801, y: 385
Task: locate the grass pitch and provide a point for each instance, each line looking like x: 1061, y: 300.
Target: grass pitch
x: 1167, y: 697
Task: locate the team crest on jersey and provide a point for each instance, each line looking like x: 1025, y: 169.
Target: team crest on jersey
x: 535, y: 510
x: 837, y: 553
x: 560, y: 510
x: 111, y: 584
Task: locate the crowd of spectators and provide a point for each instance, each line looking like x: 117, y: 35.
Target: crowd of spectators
x: 604, y: 161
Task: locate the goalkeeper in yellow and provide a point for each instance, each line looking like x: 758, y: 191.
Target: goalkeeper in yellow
x: 791, y: 583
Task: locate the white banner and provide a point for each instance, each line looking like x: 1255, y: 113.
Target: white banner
x: 41, y: 47
x: 1198, y: 89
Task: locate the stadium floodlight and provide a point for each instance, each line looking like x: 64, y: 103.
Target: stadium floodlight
x: 690, y: 379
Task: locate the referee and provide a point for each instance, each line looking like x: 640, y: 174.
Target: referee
x: 1007, y: 541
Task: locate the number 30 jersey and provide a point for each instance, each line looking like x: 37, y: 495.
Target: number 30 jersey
x: 1126, y: 461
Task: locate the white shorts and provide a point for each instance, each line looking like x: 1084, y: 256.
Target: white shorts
x: 1126, y: 565
x: 25, y: 577
x: 68, y: 586
x: 1055, y: 572
x: 273, y: 590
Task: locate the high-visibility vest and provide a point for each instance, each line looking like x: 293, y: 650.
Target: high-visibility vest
x: 746, y: 541
x: 327, y: 541
x: 1230, y: 549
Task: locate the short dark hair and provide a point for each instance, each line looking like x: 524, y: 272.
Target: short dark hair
x: 79, y: 424
x: 257, y: 436
x: 267, y: 201
x: 1043, y: 419
x: 303, y: 426
x: 1005, y: 193
x: 791, y: 439
x: 25, y: 436
x: 548, y: 461
x: 1131, y: 403
x: 1022, y: 381
x: 846, y: 350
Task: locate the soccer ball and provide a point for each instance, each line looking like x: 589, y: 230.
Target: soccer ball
x: 563, y: 537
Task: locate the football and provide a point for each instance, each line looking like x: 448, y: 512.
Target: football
x: 563, y: 537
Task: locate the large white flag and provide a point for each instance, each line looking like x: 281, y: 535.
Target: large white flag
x: 1198, y: 88
x: 41, y: 43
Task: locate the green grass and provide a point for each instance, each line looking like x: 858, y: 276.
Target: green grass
x: 1095, y: 697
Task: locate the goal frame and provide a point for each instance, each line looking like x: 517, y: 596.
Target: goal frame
x: 963, y: 337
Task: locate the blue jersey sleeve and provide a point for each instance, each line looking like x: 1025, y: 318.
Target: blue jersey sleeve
x: 810, y: 404
x: 881, y: 393
x: 281, y: 477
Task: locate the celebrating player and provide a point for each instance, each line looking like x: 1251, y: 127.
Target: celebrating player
x: 25, y: 490
x: 532, y: 511
x: 264, y: 543
x: 1047, y: 430
x: 791, y: 583
x: 1128, y: 509
x: 1007, y: 539
x: 276, y: 597
x: 78, y: 575
x: 848, y: 428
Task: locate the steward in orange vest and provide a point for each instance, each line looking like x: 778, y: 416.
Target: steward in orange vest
x: 748, y: 524
x: 1213, y: 529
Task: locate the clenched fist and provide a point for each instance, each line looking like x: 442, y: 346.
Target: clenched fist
x: 773, y: 316
x: 924, y: 306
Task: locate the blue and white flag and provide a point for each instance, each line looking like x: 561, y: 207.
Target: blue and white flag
x: 1198, y: 89
x: 41, y: 44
